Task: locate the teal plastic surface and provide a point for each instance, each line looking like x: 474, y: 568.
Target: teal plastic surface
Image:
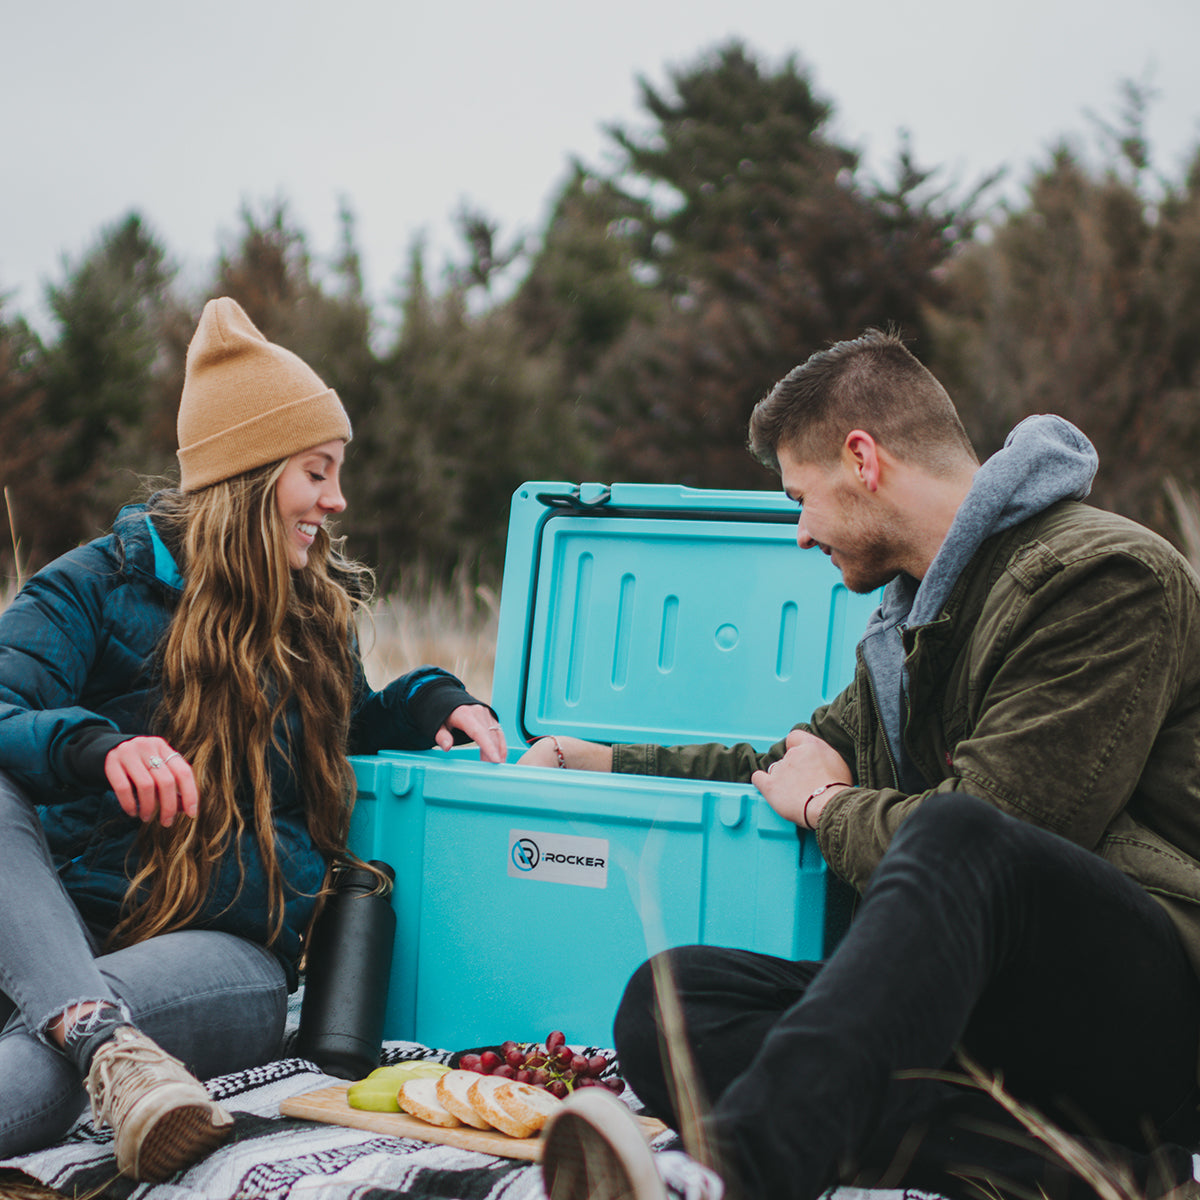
x: 526, y: 897
x: 667, y: 614
x: 488, y: 948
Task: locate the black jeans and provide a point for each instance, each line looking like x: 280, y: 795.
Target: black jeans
x: 1042, y: 961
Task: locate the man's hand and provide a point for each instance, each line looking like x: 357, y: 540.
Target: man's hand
x: 477, y: 722
x: 151, y: 779
x: 577, y: 755
x: 808, y: 764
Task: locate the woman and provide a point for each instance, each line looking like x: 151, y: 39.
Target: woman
x: 177, y: 702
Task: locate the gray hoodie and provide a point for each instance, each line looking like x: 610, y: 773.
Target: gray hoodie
x: 1045, y: 459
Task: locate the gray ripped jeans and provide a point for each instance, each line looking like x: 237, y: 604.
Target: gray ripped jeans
x: 214, y: 1000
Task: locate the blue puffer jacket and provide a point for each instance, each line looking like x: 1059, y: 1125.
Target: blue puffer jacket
x: 76, y: 656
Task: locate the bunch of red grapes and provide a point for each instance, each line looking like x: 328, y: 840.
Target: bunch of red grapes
x: 552, y: 1065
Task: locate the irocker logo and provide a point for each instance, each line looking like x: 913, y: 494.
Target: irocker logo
x: 525, y: 854
x: 558, y: 858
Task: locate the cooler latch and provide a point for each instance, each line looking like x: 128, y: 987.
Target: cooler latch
x: 592, y: 495
x: 585, y: 495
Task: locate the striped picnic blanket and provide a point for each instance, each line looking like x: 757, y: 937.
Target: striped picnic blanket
x: 270, y: 1157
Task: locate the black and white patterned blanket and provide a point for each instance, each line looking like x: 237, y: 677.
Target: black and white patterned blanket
x: 270, y: 1157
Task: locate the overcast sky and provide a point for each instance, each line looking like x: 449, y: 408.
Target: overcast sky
x: 408, y: 107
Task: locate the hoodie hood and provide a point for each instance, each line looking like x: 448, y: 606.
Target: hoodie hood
x: 1045, y: 459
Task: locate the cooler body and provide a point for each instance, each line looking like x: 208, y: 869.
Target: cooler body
x: 526, y: 897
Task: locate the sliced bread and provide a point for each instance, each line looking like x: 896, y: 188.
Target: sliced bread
x: 420, y: 1098
x: 452, y: 1091
x: 529, y: 1105
x: 482, y: 1096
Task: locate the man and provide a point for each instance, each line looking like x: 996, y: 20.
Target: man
x: 1011, y: 782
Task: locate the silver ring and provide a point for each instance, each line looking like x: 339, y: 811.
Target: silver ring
x: 173, y: 754
x: 154, y: 762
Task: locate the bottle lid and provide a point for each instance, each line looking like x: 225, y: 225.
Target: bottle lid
x: 386, y: 868
x: 347, y: 878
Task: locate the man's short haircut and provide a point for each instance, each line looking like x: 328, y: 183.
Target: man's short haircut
x: 873, y: 383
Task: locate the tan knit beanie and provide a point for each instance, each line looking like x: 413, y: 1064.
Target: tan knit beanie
x: 247, y: 402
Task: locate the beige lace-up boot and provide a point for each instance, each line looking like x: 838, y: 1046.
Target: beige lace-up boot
x: 161, y: 1116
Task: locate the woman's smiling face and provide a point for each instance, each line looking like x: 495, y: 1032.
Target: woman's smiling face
x: 306, y: 493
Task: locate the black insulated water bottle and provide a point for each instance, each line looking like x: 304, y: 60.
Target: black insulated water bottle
x: 349, y: 964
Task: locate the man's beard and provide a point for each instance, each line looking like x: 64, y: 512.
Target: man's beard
x: 866, y: 554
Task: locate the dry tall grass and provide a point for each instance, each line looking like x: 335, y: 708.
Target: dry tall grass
x: 449, y: 625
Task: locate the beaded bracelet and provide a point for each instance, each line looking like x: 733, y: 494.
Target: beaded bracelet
x: 562, y: 761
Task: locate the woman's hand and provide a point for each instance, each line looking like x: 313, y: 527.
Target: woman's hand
x: 151, y: 780
x: 789, y: 783
x: 477, y: 722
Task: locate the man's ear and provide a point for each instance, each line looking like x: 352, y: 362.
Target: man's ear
x: 860, y: 455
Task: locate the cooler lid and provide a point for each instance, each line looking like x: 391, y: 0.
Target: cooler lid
x: 648, y: 612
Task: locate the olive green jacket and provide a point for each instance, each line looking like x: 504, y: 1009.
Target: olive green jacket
x: 1061, y: 683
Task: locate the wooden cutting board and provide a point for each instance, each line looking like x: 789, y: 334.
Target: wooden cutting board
x: 329, y: 1105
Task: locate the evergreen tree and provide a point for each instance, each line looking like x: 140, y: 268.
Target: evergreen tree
x: 730, y: 150
x: 104, y: 375
x: 40, y: 511
x: 581, y: 292
x: 1084, y: 302
x: 468, y: 414
x: 767, y: 247
x: 109, y: 316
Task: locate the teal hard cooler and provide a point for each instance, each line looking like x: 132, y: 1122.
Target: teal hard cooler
x: 526, y: 897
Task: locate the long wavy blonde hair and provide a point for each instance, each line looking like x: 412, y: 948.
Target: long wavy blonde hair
x: 250, y: 638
